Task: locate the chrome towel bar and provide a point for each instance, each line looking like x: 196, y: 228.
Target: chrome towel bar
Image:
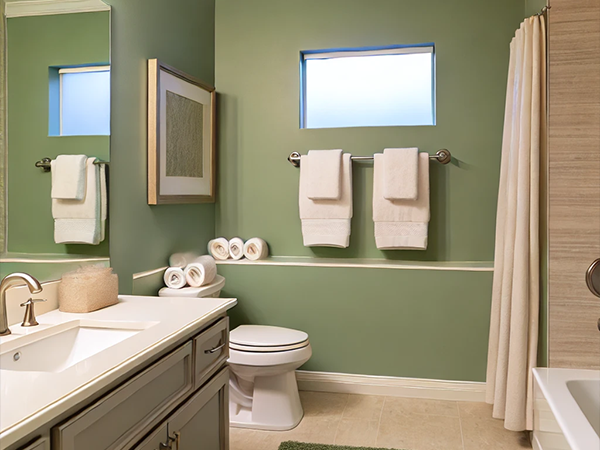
x: 442, y: 156
x: 45, y: 164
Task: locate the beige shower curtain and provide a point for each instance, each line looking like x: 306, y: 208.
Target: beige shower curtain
x: 512, y: 351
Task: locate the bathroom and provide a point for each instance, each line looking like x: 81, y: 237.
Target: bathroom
x: 400, y: 339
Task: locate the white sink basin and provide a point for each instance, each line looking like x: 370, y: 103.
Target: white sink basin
x: 59, y: 347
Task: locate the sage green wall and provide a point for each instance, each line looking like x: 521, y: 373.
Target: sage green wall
x: 181, y: 34
x: 413, y: 323
x: 534, y: 6
x: 34, y: 45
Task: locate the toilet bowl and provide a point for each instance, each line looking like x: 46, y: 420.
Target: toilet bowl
x: 263, y: 392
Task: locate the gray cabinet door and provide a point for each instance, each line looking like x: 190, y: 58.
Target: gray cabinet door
x: 202, y: 423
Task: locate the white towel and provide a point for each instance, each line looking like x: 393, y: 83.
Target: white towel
x: 103, y: 201
x: 68, y: 177
x: 219, y: 248
x: 174, y: 278
x: 181, y: 260
x: 80, y: 221
x: 326, y: 222
x: 401, y: 224
x: 255, y: 249
x: 201, y: 271
x: 236, y: 248
x: 400, y: 173
x: 324, y: 178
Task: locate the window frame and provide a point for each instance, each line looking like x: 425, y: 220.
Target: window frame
x: 306, y: 55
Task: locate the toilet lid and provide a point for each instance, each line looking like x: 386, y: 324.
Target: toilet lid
x: 258, y: 338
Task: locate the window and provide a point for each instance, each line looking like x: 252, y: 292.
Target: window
x: 84, y: 102
x: 365, y: 88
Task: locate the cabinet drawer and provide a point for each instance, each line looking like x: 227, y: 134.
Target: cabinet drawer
x: 40, y: 444
x: 211, y: 350
x: 127, y: 413
x: 202, y: 422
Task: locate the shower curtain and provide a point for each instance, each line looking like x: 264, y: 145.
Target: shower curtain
x: 512, y: 351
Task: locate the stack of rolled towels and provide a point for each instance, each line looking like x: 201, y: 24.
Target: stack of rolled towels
x: 253, y: 249
x: 188, y: 269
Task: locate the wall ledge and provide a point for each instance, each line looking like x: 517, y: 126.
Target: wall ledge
x: 365, y: 263
x: 51, y: 7
x: 54, y: 258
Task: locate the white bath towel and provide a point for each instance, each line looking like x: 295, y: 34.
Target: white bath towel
x: 400, y: 173
x: 326, y: 222
x: 80, y: 221
x: 236, y: 248
x: 201, y: 271
x: 68, y: 177
x: 103, y: 201
x: 182, y: 259
x: 401, y: 224
x: 219, y: 248
x: 255, y: 249
x: 324, y: 175
x: 174, y: 278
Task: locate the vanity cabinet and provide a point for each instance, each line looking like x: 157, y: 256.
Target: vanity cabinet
x: 40, y: 444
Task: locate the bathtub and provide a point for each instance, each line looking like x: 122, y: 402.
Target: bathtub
x: 566, y: 409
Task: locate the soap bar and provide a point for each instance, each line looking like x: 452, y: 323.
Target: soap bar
x: 88, y: 289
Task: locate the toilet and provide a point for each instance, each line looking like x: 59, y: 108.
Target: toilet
x: 263, y: 392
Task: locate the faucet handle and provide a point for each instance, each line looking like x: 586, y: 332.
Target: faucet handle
x: 29, y: 320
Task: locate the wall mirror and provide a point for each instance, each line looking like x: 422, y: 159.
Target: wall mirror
x: 56, y: 101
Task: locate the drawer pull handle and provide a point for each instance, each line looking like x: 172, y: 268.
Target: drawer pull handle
x: 214, y: 350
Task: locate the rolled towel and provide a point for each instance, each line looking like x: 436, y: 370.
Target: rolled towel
x: 219, y: 248
x: 236, y: 248
x: 256, y: 248
x: 182, y: 259
x: 202, y: 271
x: 174, y: 277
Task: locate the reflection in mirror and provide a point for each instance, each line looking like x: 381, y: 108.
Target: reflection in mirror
x: 57, y: 103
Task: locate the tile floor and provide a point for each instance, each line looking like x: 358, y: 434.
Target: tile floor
x: 390, y: 422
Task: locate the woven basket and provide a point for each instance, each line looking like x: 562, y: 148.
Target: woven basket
x: 88, y: 289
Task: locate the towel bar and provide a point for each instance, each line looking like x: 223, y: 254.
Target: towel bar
x: 45, y: 164
x: 442, y: 156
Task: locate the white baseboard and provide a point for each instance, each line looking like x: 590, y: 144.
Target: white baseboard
x: 471, y: 391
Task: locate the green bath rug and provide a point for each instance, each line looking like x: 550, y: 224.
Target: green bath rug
x: 293, y: 445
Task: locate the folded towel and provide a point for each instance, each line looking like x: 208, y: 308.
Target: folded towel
x: 174, y: 278
x: 236, y: 248
x: 80, y: 221
x: 326, y: 222
x: 256, y: 248
x: 324, y: 176
x: 400, y: 173
x: 103, y: 201
x: 219, y: 248
x: 401, y: 224
x: 201, y: 271
x: 68, y: 177
x: 182, y: 259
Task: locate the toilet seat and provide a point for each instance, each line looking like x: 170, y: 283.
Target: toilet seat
x: 265, y: 339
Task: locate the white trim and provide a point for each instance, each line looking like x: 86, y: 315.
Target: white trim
x: 471, y: 391
x: 365, y: 263
x: 84, y: 69
x: 28, y: 260
x: 149, y: 273
x: 51, y: 7
x: 380, y: 52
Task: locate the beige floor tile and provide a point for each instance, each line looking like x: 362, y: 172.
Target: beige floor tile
x: 315, y: 429
x: 323, y: 404
x: 396, y: 405
x: 357, y: 432
x: 475, y: 409
x: 419, y: 432
x: 365, y: 407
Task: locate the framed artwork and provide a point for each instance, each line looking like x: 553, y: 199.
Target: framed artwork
x: 181, y: 137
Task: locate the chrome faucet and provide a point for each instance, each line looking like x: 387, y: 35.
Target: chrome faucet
x: 10, y: 280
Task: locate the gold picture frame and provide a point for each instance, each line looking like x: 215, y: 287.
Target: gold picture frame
x: 181, y: 137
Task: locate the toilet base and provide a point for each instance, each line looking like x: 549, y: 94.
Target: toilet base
x: 275, y: 404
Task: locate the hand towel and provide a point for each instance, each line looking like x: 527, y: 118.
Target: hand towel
x: 236, y: 248
x: 181, y: 260
x: 68, y: 177
x: 80, y: 221
x: 219, y: 248
x: 103, y: 201
x: 326, y: 222
x: 174, y: 278
x: 401, y: 224
x: 324, y: 178
x: 255, y: 249
x: 201, y: 271
x: 400, y: 173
